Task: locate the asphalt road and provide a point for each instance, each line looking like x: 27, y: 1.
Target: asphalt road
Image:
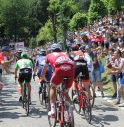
x: 13, y: 115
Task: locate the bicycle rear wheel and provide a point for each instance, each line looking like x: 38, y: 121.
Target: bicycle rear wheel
x: 68, y: 115
x: 92, y: 94
x: 87, y: 109
x: 27, y: 100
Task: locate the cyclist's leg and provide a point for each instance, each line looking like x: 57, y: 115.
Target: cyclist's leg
x: 56, y: 79
x: 77, y: 72
x: 70, y: 74
x: 20, y: 80
x: 28, y: 79
x: 39, y: 71
x: 86, y: 80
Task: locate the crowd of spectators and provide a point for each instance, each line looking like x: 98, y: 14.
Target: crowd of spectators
x: 105, y: 39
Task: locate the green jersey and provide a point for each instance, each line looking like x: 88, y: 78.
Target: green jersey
x: 24, y: 63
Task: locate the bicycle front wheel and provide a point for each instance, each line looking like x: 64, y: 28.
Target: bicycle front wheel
x: 51, y: 119
x: 76, y: 101
x: 87, y: 109
x: 92, y: 94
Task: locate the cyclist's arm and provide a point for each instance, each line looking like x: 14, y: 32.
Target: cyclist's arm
x: 44, y: 71
x: 11, y: 60
x: 16, y: 69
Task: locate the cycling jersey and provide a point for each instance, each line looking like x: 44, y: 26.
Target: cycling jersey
x: 40, y: 60
x: 81, y: 65
x: 58, y: 58
x: 24, y: 63
x: 63, y: 67
x: 1, y: 59
x: 89, y: 61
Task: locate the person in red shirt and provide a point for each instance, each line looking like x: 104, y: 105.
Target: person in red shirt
x: 63, y: 67
x: 5, y: 62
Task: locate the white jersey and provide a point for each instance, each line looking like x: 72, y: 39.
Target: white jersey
x: 89, y: 61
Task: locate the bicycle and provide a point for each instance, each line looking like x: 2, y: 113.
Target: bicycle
x: 81, y: 100
x: 25, y: 96
x: 43, y: 93
x: 63, y: 114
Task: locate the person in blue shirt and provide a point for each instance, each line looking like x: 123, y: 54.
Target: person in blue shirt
x: 39, y: 65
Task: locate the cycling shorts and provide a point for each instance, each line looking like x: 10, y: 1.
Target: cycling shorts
x: 61, y: 72
x: 25, y: 74
x: 83, y: 69
x: 48, y: 72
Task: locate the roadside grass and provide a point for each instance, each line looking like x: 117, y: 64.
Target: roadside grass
x: 107, y: 83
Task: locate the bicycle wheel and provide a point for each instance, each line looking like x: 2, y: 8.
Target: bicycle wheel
x: 23, y: 98
x: 41, y: 93
x: 68, y: 115
x: 87, y: 109
x: 27, y: 100
x: 52, y: 120
x: 92, y: 94
x: 76, y: 101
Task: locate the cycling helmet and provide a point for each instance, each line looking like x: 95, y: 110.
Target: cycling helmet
x: 82, y: 48
x: 24, y: 55
x: 75, y: 47
x: 6, y: 49
x: 20, y: 50
x: 87, y: 47
x: 42, y: 52
x: 56, y: 46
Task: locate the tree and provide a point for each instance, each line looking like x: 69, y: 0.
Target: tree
x: 70, y: 7
x: 53, y: 11
x: 112, y: 7
x: 79, y: 20
x: 45, y: 33
x: 13, y: 16
x: 96, y: 10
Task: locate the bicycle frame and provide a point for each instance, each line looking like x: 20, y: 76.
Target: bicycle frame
x: 61, y: 104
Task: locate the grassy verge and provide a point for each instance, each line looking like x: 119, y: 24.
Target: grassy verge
x: 107, y: 83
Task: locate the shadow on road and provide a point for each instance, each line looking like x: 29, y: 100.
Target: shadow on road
x: 101, y: 120
x: 36, y: 112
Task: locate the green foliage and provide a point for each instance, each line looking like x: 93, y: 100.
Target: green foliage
x: 13, y: 15
x: 53, y: 6
x: 96, y: 10
x: 24, y: 18
x: 45, y: 33
x: 112, y: 7
x: 79, y: 20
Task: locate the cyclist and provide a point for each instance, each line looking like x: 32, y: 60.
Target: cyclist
x: 18, y: 54
x: 81, y: 67
x: 63, y: 67
x: 40, y: 62
x: 24, y: 65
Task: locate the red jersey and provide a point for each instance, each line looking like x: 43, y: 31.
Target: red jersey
x: 1, y: 57
x: 78, y: 54
x: 58, y: 58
